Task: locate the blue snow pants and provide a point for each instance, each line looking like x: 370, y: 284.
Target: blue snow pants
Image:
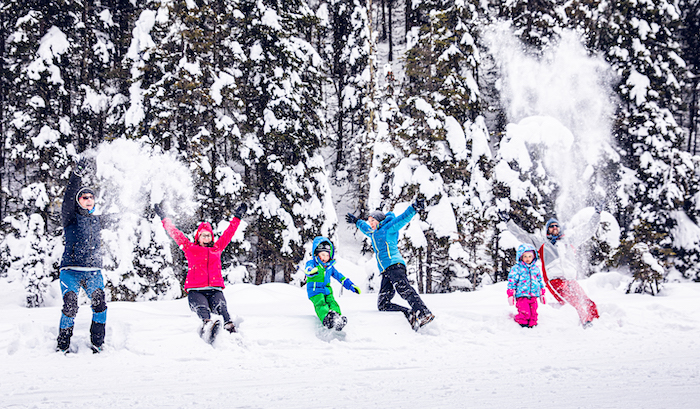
x: 93, y: 284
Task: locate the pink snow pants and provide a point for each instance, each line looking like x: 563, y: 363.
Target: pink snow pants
x: 527, y: 311
x: 572, y: 293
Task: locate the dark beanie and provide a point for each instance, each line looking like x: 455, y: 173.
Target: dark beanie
x: 378, y: 215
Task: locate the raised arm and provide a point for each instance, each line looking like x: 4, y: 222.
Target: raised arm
x: 582, y: 233
x: 401, y: 220
x: 226, y: 237
x: 533, y: 238
x: 68, y: 210
x: 176, y: 234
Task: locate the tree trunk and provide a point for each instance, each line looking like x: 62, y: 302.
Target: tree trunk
x: 429, y: 264
x: 420, y: 276
x: 384, y: 20
x: 391, y: 41
x: 693, y: 119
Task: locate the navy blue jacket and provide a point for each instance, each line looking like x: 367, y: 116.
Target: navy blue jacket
x: 81, y: 231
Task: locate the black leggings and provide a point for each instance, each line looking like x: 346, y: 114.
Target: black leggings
x: 203, y: 302
x: 394, y: 280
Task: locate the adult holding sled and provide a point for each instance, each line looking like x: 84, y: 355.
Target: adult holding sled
x: 557, y: 251
x: 383, y: 230
x: 204, y: 283
x: 81, y: 264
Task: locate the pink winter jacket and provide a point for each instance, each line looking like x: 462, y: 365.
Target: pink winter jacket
x: 203, y: 263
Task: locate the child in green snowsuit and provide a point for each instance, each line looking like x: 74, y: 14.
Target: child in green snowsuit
x: 319, y: 271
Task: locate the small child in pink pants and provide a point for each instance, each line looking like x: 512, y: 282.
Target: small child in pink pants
x: 525, y: 285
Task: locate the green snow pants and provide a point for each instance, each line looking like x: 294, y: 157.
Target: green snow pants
x: 323, y: 304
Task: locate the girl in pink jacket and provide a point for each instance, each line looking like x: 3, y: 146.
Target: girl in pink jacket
x: 204, y: 282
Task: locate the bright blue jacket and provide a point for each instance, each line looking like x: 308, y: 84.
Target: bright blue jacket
x: 322, y: 284
x: 525, y: 279
x: 385, y: 240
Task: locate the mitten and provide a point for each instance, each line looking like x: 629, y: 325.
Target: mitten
x: 351, y: 286
x: 240, y: 211
x: 511, y: 298
x: 542, y: 300
x: 159, y: 211
x: 350, y: 218
x: 419, y: 204
x: 81, y: 167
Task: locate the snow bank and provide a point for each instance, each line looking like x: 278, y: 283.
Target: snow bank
x: 473, y: 352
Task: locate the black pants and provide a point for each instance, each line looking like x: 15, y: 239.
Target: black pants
x: 203, y: 302
x: 394, y: 280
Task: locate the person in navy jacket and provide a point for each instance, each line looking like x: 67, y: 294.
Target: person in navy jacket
x: 383, y: 230
x: 81, y: 264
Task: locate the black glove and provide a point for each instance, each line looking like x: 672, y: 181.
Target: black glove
x: 350, y: 218
x: 159, y: 211
x: 503, y: 215
x: 81, y: 167
x: 419, y: 204
x: 240, y: 211
x: 599, y: 206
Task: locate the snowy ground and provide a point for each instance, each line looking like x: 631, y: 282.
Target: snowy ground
x: 642, y: 353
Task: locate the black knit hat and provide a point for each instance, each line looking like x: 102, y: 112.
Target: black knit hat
x: 323, y: 246
x: 377, y: 215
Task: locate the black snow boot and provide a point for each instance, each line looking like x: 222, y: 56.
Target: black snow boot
x: 340, y: 322
x: 97, y: 336
x: 209, y: 330
x: 418, y: 318
x: 230, y: 327
x: 63, y: 341
x: 329, y: 319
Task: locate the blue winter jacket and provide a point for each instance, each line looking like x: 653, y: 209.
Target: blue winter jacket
x: 323, y: 286
x: 82, y: 231
x: 525, y: 279
x: 385, y: 239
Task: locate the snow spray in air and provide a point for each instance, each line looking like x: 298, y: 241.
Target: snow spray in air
x: 562, y: 101
x: 131, y: 178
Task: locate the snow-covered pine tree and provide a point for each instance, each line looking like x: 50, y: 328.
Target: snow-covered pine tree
x: 348, y: 53
x: 439, y: 99
x: 647, y: 273
x: 173, y: 77
x: 638, y: 41
x: 689, y: 38
x: 29, y: 254
x: 169, y: 60
x: 278, y: 89
x: 536, y: 23
x: 38, y: 138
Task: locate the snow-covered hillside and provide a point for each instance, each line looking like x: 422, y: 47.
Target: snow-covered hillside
x: 642, y: 353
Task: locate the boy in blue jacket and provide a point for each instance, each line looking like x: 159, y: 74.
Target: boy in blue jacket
x: 525, y: 285
x: 319, y: 271
x: 383, y: 230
